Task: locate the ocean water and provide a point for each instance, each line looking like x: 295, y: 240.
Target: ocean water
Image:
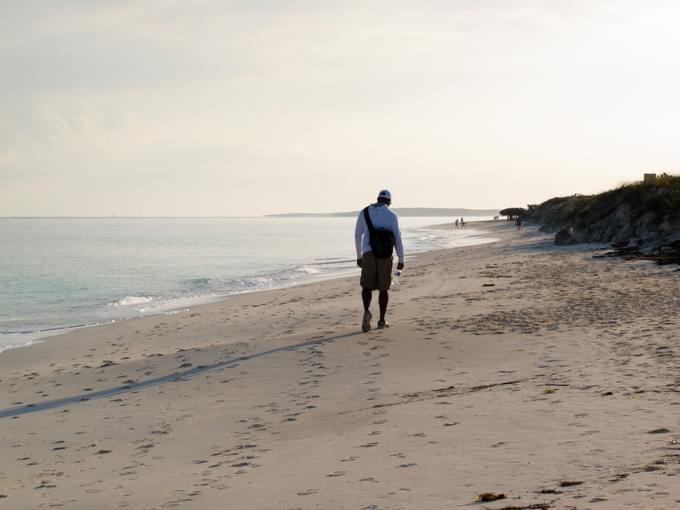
x: 63, y: 273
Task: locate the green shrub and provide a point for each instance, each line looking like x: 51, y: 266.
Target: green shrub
x: 661, y: 197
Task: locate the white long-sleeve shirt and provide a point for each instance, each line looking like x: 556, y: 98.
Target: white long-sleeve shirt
x: 382, y: 218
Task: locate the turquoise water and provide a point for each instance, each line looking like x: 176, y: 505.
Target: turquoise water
x: 62, y: 273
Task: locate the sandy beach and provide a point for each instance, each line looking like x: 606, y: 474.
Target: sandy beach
x: 518, y: 370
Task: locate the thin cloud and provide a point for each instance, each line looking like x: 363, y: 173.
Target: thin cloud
x: 437, y: 98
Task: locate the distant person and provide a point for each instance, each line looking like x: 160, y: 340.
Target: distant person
x: 518, y: 222
x: 456, y: 223
x: 462, y: 223
x: 375, y: 236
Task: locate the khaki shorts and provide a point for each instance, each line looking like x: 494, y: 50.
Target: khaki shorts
x: 376, y: 274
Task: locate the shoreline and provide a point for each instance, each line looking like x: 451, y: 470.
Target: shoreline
x: 195, y: 309
x: 516, y: 368
x: 29, y: 338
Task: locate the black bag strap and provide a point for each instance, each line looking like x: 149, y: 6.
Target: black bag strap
x: 367, y: 217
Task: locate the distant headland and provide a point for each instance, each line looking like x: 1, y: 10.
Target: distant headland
x: 401, y: 211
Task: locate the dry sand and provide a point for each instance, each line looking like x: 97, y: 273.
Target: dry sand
x: 515, y: 368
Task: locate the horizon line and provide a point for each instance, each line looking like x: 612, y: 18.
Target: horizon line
x: 115, y: 217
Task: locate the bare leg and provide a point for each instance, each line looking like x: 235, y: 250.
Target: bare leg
x: 366, y: 295
x: 383, y: 299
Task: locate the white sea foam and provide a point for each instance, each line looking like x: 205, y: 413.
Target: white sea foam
x: 310, y: 270
x: 14, y: 340
x: 132, y: 301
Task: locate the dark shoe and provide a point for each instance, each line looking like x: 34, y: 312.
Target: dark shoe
x: 366, y: 323
x: 383, y: 324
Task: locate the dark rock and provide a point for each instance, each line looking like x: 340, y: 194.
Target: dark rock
x: 666, y: 228
x: 623, y: 234
x: 565, y: 237
x: 662, y: 430
x: 490, y: 496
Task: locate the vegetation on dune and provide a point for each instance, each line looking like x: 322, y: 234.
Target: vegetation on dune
x: 646, y: 211
x: 512, y: 212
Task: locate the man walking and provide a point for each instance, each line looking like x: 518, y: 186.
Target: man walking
x: 376, y: 234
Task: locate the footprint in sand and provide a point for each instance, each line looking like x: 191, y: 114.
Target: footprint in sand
x: 307, y: 492
x: 368, y: 445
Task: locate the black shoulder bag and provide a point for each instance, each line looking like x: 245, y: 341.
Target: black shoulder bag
x: 382, y: 241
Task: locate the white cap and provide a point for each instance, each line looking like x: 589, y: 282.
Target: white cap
x: 385, y: 194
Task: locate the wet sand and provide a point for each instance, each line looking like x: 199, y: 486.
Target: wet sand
x: 515, y: 369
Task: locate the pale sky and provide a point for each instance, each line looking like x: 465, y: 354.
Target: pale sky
x: 223, y: 108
